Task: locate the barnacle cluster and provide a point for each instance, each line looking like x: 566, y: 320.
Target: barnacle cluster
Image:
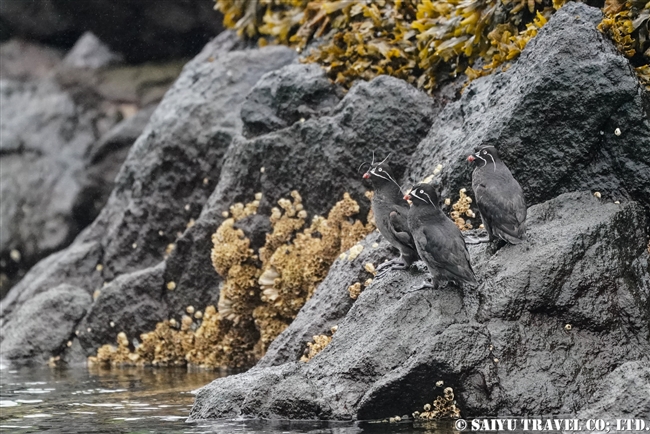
x: 462, y: 208
x: 115, y: 356
x: 420, y: 41
x: 292, y: 271
x: 320, y: 342
x: 261, y: 293
x: 356, y: 288
x: 444, y: 407
x: 628, y: 24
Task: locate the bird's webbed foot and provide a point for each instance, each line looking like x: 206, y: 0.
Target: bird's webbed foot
x: 395, y: 264
x: 388, y: 264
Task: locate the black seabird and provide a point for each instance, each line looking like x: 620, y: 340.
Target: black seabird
x: 499, y: 197
x: 391, y: 215
x: 439, y: 242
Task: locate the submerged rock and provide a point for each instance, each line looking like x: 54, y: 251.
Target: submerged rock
x: 504, y: 349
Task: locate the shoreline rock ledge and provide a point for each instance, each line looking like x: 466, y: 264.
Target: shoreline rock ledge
x: 555, y: 320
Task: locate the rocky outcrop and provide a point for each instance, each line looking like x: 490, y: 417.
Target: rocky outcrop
x: 192, y: 162
x: 169, y: 174
x: 318, y: 157
x: 552, y: 317
x: 523, y: 343
x: 46, y: 324
x: 330, y: 303
x: 45, y: 135
x: 568, y: 115
x: 623, y: 394
x: 66, y: 129
x: 141, y: 31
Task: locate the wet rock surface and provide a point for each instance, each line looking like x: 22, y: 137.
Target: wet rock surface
x: 623, y: 394
x: 505, y: 349
x: 318, y: 157
x: 329, y: 304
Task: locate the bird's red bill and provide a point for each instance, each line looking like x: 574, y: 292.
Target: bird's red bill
x: 471, y: 158
x: 407, y: 197
x: 366, y: 175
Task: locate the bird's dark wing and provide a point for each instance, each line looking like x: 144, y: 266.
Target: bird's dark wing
x: 399, y: 227
x: 446, y: 247
x: 503, y: 205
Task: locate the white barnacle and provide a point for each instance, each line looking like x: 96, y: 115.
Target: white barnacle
x: 267, y: 279
x: 617, y: 131
x: 355, y: 251
x: 15, y: 255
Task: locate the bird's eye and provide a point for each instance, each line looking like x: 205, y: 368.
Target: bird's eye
x: 484, y: 152
x: 380, y: 169
x: 421, y: 191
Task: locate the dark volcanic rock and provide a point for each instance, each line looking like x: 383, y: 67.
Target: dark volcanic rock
x: 131, y: 303
x: 623, y: 394
x: 103, y: 162
x: 504, y: 350
x: 552, y: 116
x: 47, y: 322
x: 141, y: 31
x: 162, y: 186
x: 283, y: 97
x: 318, y: 157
